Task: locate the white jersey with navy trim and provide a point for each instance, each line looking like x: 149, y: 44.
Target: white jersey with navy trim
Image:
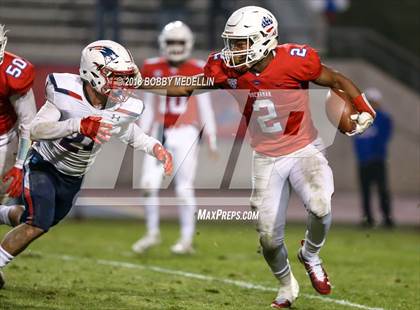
x: 69, y: 151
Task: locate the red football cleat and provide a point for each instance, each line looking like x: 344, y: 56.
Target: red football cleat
x: 316, y: 273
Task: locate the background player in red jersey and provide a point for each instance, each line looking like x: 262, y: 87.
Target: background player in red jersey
x: 177, y: 121
x: 287, y: 152
x: 17, y: 109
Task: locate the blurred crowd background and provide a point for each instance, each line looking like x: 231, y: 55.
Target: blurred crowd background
x: 374, y: 42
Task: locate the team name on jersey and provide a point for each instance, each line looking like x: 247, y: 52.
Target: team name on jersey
x: 260, y: 94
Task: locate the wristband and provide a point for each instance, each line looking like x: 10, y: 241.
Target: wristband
x: 362, y: 105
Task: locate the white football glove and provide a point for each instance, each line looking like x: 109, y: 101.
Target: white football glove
x: 363, y: 121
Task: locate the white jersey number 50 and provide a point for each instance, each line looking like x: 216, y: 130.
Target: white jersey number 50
x: 263, y: 119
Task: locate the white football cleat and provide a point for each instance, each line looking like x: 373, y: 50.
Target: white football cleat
x: 287, y: 294
x: 145, y: 243
x: 182, y: 247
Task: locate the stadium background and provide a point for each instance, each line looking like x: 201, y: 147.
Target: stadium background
x: 88, y: 264
x: 364, y: 39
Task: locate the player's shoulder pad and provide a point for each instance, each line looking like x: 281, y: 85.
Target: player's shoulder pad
x: 304, y: 61
x: 199, y: 63
x: 214, y: 68
x: 19, y: 72
x: 63, y: 84
x: 150, y: 64
x: 153, y: 61
x: 133, y: 107
x: 297, y: 51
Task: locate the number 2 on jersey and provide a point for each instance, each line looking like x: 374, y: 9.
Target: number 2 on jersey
x: 301, y: 52
x: 70, y: 143
x: 263, y: 119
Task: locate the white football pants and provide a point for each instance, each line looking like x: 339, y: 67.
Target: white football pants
x: 182, y: 142
x: 308, y: 173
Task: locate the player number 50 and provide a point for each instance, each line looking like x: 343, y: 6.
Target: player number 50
x: 15, y: 69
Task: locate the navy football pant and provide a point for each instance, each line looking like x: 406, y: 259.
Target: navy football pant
x: 48, y: 194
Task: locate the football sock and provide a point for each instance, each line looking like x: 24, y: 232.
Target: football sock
x: 277, y: 260
x: 286, y: 278
x: 5, y: 257
x: 316, y: 233
x: 152, y: 214
x: 187, y: 219
x: 284, y: 275
x: 4, y: 215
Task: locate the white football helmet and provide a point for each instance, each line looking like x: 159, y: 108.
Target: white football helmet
x: 110, y: 69
x: 255, y: 29
x: 3, y: 42
x: 176, y: 41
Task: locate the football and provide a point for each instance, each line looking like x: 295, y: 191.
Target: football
x: 339, y: 108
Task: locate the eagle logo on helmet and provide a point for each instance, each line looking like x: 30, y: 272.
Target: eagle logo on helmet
x: 109, y: 54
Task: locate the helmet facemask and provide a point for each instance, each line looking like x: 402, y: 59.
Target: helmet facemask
x: 3, y: 42
x: 254, y: 48
x: 176, y: 41
x: 176, y: 50
x: 119, y: 85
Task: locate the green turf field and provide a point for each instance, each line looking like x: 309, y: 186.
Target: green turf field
x: 88, y: 265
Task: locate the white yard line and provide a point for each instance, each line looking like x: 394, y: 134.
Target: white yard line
x: 164, y: 201
x: 198, y: 276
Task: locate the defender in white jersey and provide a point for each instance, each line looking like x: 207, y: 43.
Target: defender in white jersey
x: 80, y: 113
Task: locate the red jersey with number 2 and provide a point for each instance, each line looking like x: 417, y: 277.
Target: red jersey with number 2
x: 16, y: 78
x: 277, y: 105
x: 173, y: 111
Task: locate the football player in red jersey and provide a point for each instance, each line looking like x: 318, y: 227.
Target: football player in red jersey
x: 17, y: 109
x: 286, y: 148
x: 177, y: 121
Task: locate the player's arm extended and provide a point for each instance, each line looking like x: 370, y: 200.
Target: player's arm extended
x: 134, y: 136
x: 334, y: 79
x: 181, y: 86
x: 25, y: 108
x: 208, y: 120
x: 46, y: 124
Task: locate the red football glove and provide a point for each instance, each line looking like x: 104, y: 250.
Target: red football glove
x: 93, y: 128
x: 164, y: 157
x: 15, y: 187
